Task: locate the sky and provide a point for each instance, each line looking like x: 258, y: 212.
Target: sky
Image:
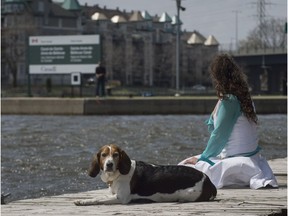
x: 209, y: 17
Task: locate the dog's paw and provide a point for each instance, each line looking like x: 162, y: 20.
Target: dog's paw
x: 80, y: 203
x: 87, y: 202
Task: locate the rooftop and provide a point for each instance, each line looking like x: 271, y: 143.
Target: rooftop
x: 196, y: 38
x: 71, y: 5
x: 165, y: 18
x: 211, y: 41
x: 136, y: 16
x: 98, y: 16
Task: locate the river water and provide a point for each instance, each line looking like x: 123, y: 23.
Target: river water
x: 50, y: 155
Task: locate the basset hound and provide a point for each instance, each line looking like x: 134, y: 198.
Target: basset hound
x: 137, y: 181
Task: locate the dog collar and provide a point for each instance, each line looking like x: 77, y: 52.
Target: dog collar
x: 109, y: 183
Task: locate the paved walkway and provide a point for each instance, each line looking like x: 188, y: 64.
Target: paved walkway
x: 229, y: 202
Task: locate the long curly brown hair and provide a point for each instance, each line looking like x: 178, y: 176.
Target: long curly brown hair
x: 228, y: 78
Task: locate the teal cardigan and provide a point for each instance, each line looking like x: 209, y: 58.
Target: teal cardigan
x: 228, y: 112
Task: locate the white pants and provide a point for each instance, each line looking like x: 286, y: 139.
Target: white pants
x: 237, y: 171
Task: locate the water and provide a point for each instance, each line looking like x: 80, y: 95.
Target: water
x: 50, y: 155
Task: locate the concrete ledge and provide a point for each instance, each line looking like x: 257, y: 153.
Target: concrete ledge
x: 42, y: 106
x: 143, y: 106
x: 271, y: 105
x: 130, y: 106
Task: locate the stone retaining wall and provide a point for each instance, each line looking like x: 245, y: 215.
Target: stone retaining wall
x: 129, y: 106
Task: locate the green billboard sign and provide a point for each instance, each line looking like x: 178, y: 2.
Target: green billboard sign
x: 63, y: 54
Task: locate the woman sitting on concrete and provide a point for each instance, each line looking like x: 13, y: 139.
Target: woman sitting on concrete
x: 232, y: 153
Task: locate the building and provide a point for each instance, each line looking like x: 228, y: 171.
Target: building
x: 137, y: 48
x: 23, y: 18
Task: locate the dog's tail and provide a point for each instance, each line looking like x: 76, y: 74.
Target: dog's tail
x: 209, y: 191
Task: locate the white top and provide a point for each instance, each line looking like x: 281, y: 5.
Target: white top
x: 243, y: 138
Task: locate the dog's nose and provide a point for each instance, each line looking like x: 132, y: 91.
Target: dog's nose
x: 109, y: 165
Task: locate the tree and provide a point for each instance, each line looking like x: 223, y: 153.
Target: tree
x: 17, y: 27
x: 270, y: 35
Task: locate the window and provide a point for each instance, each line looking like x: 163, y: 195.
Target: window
x: 21, y: 70
x: 22, y: 36
x: 41, y: 6
x: 9, y: 21
x: 8, y: 8
x: 60, y: 23
x: 39, y: 21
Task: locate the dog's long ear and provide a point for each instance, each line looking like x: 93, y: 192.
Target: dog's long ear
x: 95, y: 167
x: 124, y: 163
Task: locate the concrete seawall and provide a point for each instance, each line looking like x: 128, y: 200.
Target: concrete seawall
x: 130, y: 106
x: 42, y: 106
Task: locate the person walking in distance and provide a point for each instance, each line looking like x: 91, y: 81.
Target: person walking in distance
x: 100, y: 79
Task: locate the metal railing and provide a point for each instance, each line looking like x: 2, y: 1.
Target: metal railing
x: 254, y: 51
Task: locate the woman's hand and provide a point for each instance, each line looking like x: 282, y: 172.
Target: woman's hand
x: 192, y: 160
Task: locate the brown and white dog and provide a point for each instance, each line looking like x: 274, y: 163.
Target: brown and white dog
x: 134, y: 181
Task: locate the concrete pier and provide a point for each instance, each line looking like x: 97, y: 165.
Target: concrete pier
x: 244, y: 201
x: 130, y: 106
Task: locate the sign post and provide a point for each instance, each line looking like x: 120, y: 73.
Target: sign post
x: 27, y: 69
x: 75, y: 78
x: 76, y: 81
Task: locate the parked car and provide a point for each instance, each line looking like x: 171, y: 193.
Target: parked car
x: 199, y: 87
x: 91, y: 81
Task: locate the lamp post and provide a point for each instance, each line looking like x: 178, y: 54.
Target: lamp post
x: 236, y: 29
x: 178, y: 4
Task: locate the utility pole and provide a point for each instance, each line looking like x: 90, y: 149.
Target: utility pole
x: 261, y: 14
x: 179, y: 7
x: 236, y: 29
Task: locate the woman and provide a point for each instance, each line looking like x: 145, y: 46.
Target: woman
x: 232, y: 154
